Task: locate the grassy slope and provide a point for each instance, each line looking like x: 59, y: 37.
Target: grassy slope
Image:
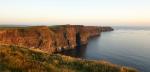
x: 19, y: 59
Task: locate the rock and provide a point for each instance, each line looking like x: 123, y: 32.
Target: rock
x: 32, y: 37
x: 50, y: 39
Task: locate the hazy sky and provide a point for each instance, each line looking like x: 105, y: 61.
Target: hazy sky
x: 90, y: 12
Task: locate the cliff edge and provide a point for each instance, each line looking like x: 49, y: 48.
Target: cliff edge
x: 50, y: 39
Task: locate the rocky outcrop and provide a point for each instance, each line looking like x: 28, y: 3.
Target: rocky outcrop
x: 50, y: 39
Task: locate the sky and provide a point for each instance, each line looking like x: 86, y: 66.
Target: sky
x: 87, y: 12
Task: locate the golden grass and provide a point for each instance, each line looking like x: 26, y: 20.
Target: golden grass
x: 20, y: 59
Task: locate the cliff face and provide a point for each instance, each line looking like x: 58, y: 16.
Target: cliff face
x: 104, y: 29
x: 34, y: 37
x: 71, y: 36
x: 50, y: 39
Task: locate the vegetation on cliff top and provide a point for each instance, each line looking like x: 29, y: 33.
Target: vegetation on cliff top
x: 21, y: 59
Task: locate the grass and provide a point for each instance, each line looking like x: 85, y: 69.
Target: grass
x: 20, y: 59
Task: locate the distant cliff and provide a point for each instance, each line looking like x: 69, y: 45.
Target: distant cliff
x: 50, y: 39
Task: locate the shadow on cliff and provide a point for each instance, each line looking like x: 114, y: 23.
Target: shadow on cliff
x: 78, y: 40
x: 79, y: 51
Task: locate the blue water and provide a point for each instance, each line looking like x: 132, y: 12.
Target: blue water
x: 127, y: 46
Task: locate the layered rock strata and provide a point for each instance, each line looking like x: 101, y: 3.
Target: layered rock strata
x: 50, y: 39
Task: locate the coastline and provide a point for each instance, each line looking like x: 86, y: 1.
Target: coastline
x: 54, y: 39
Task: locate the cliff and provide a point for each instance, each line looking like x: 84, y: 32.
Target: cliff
x: 50, y: 39
x: 30, y: 49
x: 32, y: 37
x: 106, y: 28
